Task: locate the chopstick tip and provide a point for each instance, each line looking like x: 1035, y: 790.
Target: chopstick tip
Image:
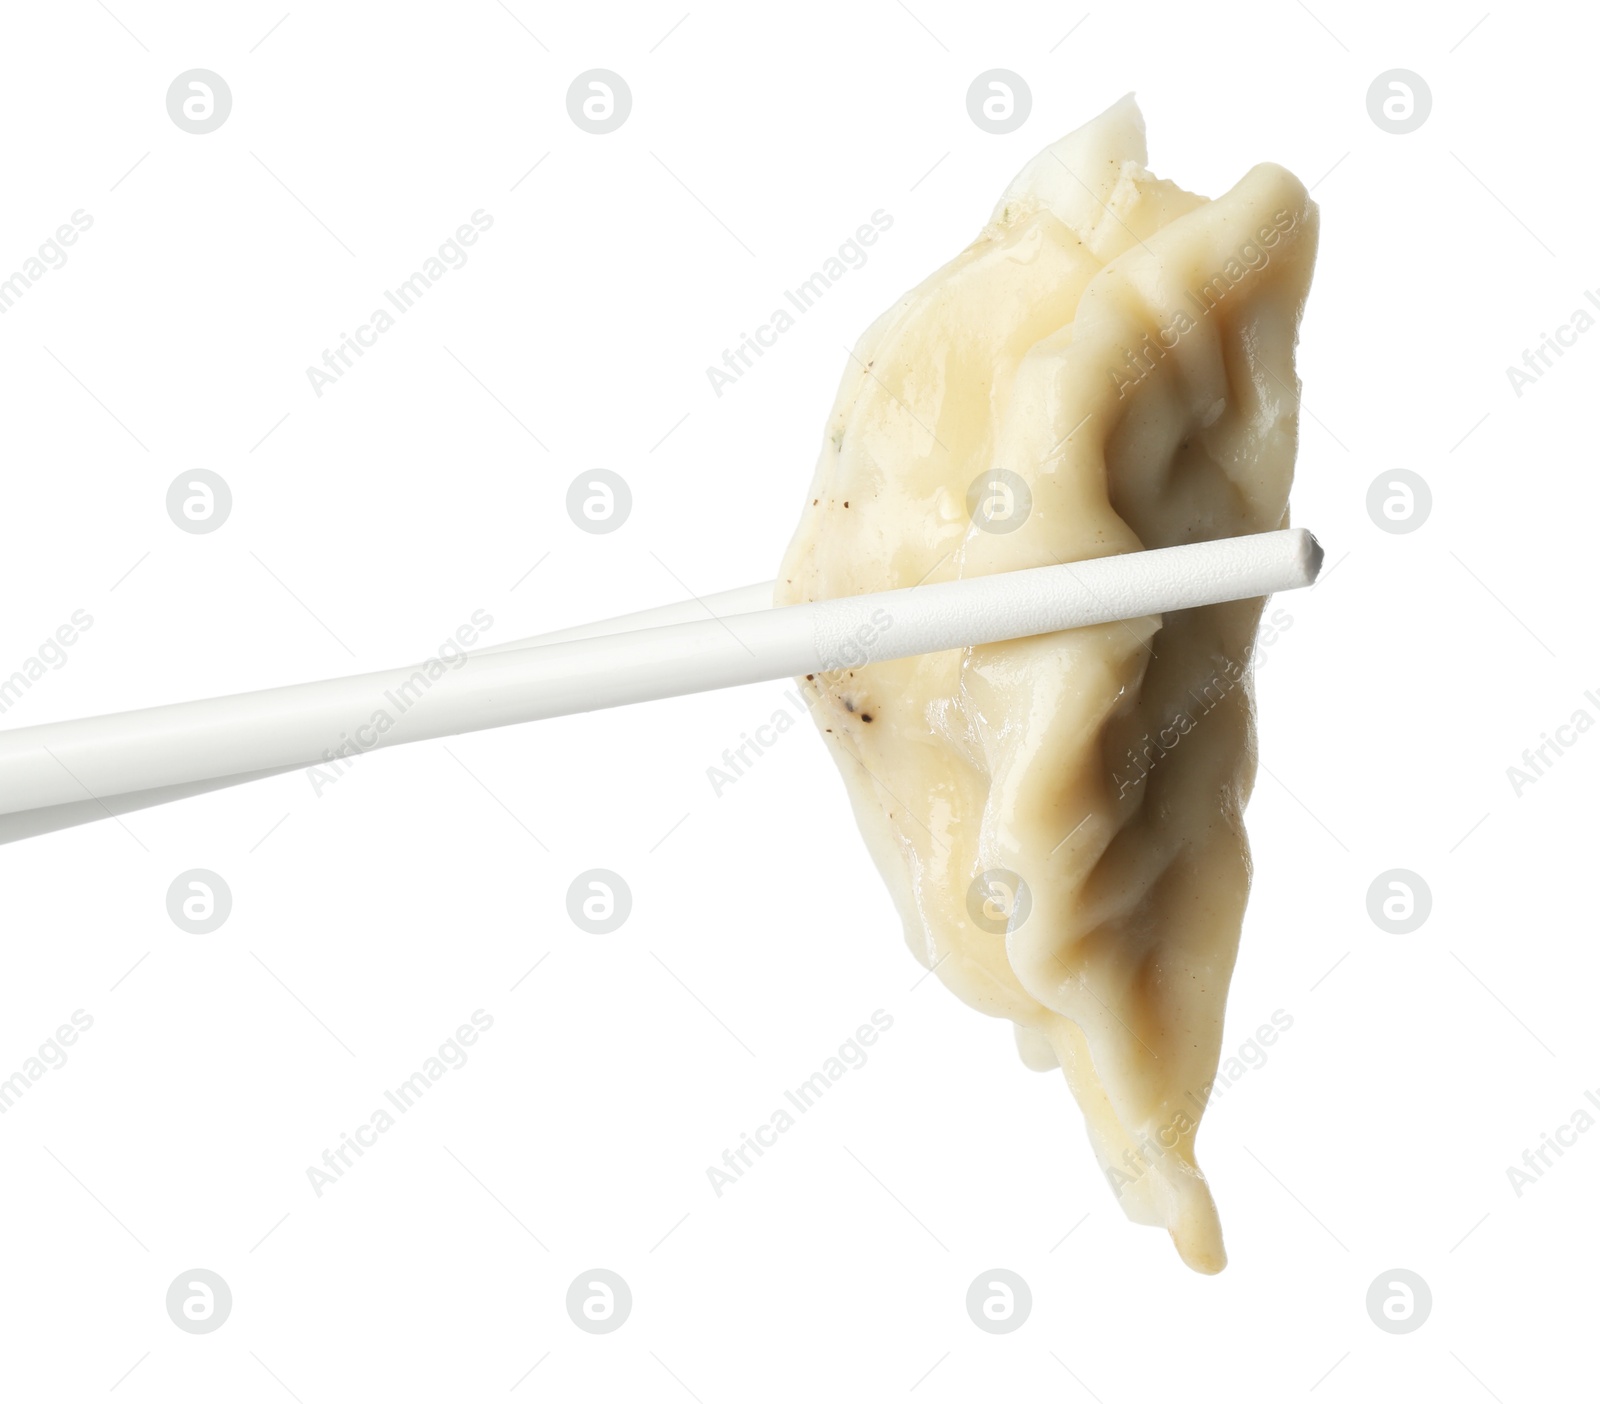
x: 1311, y: 554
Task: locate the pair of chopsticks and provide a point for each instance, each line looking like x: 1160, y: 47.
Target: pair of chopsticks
x: 64, y: 773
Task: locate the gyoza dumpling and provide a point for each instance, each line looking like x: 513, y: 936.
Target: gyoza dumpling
x: 1124, y: 351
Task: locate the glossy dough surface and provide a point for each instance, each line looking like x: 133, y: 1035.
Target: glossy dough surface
x: 1124, y: 351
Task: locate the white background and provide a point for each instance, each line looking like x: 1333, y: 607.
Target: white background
x: 427, y: 881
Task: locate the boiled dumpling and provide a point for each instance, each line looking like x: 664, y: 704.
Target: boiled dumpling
x: 1108, y: 367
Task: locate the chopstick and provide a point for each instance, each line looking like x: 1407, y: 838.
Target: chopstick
x: 32, y: 822
x: 746, y: 599
x: 96, y: 766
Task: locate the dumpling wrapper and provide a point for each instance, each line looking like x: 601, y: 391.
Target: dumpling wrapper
x: 1126, y: 349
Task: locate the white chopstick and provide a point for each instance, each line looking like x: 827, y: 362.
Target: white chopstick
x: 30, y: 822
x: 114, y: 763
